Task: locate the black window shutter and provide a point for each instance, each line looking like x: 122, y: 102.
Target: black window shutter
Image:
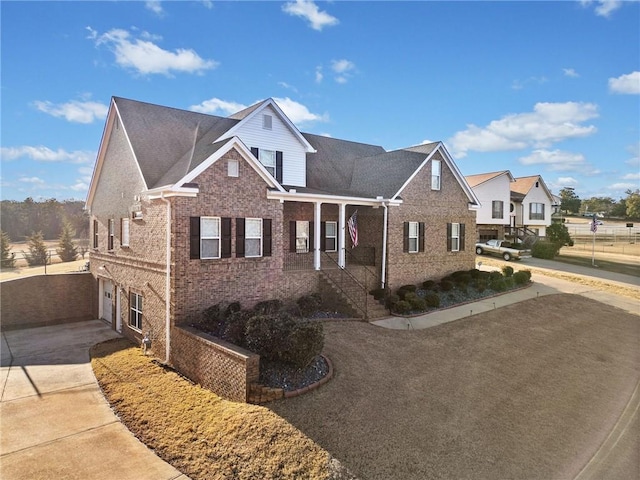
x: 254, y: 150
x: 292, y: 236
x: 405, y: 242
x: 448, y: 237
x: 239, y: 237
x: 311, y: 242
x: 421, y: 237
x: 323, y: 236
x: 267, y: 242
x: 194, y: 238
x: 225, y: 247
x: 462, y: 237
x: 279, y: 166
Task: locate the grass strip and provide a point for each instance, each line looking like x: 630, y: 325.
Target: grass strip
x: 199, y: 433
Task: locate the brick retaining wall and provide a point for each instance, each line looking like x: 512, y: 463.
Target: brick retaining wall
x: 219, y: 366
x: 42, y: 300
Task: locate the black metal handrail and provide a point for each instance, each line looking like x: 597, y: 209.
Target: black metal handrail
x: 351, y: 280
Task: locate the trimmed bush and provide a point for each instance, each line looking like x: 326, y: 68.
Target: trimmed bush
x: 267, y: 307
x: 233, y: 329
x: 428, y: 284
x: 446, y: 285
x: 475, y: 273
x: 432, y: 300
x: 498, y: 285
x: 405, y: 289
x: 507, y: 270
x: 283, y: 338
x: 542, y: 249
x: 391, y: 301
x: 481, y: 285
x: 522, y: 277
x: 309, y: 304
x: 495, y: 275
x: 418, y: 304
x: 463, y: 279
x: 509, y: 282
x: 402, y: 307
x: 379, y: 293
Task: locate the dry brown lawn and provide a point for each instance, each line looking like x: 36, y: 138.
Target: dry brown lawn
x: 196, y: 431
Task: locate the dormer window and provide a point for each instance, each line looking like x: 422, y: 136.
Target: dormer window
x: 267, y: 122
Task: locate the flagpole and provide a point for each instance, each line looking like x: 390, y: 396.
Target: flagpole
x: 594, y: 229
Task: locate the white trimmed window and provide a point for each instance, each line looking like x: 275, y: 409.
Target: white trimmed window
x: 414, y: 234
x: 253, y: 237
x: 455, y: 237
x: 497, y: 209
x: 135, y: 312
x: 209, y: 237
x: 233, y: 168
x: 435, y: 174
x: 536, y: 211
x: 331, y: 237
x: 124, y: 228
x: 268, y: 159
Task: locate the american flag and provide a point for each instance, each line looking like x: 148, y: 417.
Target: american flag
x: 594, y: 225
x: 352, y: 223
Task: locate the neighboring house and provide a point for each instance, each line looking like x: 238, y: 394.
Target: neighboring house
x: 494, y: 192
x: 531, y: 203
x: 188, y: 210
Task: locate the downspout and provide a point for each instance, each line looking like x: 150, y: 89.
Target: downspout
x: 384, y: 243
x: 167, y: 286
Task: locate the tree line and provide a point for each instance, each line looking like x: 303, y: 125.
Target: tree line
x: 627, y: 208
x: 19, y: 220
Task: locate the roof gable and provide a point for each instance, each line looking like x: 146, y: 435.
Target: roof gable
x: 523, y: 185
x: 244, y: 116
x: 480, y: 178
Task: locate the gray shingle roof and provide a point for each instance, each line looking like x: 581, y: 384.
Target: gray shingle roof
x: 163, y: 138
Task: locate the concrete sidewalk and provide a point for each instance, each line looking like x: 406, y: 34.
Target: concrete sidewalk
x: 542, y: 285
x: 55, y: 420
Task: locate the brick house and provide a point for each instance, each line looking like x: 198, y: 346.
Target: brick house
x: 530, y: 206
x: 189, y: 209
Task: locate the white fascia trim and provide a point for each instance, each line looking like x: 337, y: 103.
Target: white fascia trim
x: 171, y: 191
x: 269, y: 102
x: 246, y: 154
x: 326, y: 198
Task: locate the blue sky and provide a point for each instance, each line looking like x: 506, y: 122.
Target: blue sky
x: 549, y: 88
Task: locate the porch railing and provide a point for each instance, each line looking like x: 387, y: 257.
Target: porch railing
x: 348, y: 284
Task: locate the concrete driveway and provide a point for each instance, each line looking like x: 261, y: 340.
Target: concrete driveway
x: 55, y: 422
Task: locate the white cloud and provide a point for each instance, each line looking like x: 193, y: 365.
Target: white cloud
x: 567, y: 181
x: 154, y: 6
x: 74, y: 111
x: 216, y: 106
x: 343, y: 69
x: 34, y: 180
x: 623, y: 186
x: 547, y: 124
x: 44, y: 154
x: 309, y: 11
x: 604, y: 8
x: 319, y: 75
x: 298, y: 113
x: 570, y: 72
x: 145, y: 57
x: 520, y: 84
x: 555, y: 160
x: 631, y: 176
x: 207, y: 4
x: 626, y: 84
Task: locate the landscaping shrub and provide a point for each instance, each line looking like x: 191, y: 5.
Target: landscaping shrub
x: 233, y: 307
x: 498, y: 285
x: 475, y: 273
x: 446, y: 285
x: 507, y: 270
x: 379, y: 293
x: 391, y: 301
x: 282, y: 338
x: 432, y: 300
x: 233, y: 328
x: 495, y: 275
x: 309, y: 304
x: 417, y: 303
x: 522, y: 277
x: 481, y: 285
x: 509, y: 282
x: 463, y: 278
x: 402, y: 306
x: 428, y: 284
x: 405, y: 289
x: 268, y: 307
x: 543, y: 249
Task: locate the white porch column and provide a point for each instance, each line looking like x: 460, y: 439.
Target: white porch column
x: 342, y: 235
x: 317, y: 234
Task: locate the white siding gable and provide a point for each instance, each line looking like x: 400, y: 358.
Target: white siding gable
x: 537, y: 195
x: 495, y: 189
x: 278, y: 138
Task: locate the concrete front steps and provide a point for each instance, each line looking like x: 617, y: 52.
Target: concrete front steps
x: 340, y: 289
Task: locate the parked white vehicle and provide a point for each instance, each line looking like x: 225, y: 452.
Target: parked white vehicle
x: 502, y: 248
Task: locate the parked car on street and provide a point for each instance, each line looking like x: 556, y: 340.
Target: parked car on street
x: 502, y: 248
